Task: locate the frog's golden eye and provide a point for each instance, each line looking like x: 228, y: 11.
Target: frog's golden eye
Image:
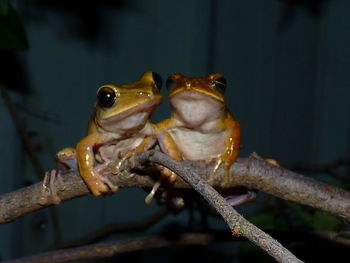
x: 220, y: 84
x: 157, y: 80
x: 169, y: 83
x: 106, y: 97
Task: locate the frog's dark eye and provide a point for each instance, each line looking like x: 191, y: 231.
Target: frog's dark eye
x: 157, y: 80
x: 220, y: 84
x: 169, y: 83
x: 106, y: 97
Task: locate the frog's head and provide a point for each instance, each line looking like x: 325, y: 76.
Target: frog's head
x: 196, y: 101
x: 130, y: 104
x: 213, y: 85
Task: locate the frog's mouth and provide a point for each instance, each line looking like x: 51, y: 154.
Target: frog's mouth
x: 192, y: 95
x: 196, y: 93
x: 128, y: 112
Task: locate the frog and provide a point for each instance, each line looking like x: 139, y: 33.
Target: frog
x: 201, y: 126
x: 118, y: 128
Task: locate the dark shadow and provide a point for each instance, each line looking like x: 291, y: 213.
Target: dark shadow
x: 314, y: 8
x: 13, y: 74
x: 86, y: 19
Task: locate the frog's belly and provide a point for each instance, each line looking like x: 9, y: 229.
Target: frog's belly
x: 194, y: 145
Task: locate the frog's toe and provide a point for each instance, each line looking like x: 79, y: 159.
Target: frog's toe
x: 97, y: 187
x: 118, y: 167
x: 150, y: 196
x: 235, y: 200
x: 114, y: 188
x: 217, y: 165
x: 101, y: 184
x: 48, y: 191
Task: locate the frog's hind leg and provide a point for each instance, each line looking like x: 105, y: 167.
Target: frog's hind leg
x: 167, y: 176
x: 167, y: 146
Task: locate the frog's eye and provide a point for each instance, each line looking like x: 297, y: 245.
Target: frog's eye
x: 106, y: 97
x: 220, y: 84
x: 169, y: 83
x: 157, y: 80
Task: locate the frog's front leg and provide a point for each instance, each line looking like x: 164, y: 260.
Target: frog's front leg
x: 232, y: 145
x: 65, y: 161
x: 94, y: 179
x: 168, y: 146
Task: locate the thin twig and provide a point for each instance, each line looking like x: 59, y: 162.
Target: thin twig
x: 238, y: 224
x: 23, y: 134
x: 28, y: 146
x: 115, y: 228
x: 118, y: 247
x: 333, y: 237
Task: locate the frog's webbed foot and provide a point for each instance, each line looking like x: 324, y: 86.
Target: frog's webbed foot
x: 100, y: 183
x: 116, y: 167
x: 48, y: 190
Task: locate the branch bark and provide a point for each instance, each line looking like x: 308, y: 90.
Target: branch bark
x: 114, y: 228
x: 238, y: 224
x: 247, y: 172
x: 118, y: 247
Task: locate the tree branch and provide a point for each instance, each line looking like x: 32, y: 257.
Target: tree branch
x: 247, y: 172
x: 114, y: 228
x: 238, y: 224
x: 118, y: 247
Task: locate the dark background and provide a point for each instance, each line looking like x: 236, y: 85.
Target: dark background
x: 287, y: 65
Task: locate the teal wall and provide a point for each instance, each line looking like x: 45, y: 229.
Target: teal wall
x: 287, y: 68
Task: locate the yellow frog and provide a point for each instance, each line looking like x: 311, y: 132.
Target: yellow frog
x: 119, y: 126
x: 201, y: 126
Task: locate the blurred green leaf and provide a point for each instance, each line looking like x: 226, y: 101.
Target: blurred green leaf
x: 315, y: 219
x: 322, y: 221
x: 4, y: 8
x: 301, y: 213
x: 12, y: 34
x: 263, y: 220
x: 248, y: 252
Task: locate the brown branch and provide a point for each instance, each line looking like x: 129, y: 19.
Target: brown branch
x: 118, y: 247
x: 115, y: 228
x: 333, y: 237
x: 238, y: 224
x: 247, y: 172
